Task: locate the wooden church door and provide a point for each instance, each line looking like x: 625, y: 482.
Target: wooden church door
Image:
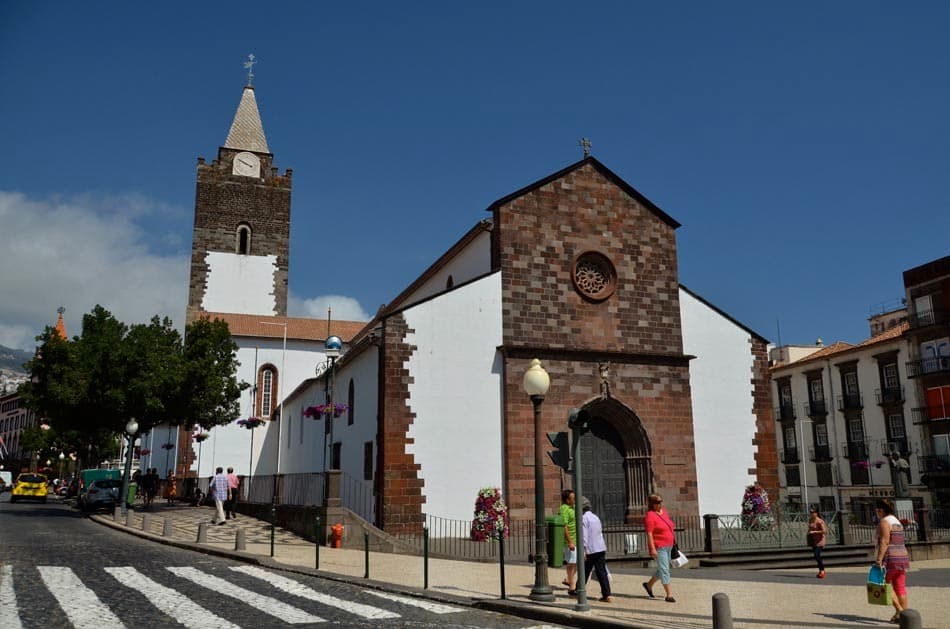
x: 602, y: 471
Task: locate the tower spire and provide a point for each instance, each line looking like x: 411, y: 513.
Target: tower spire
x: 247, y: 132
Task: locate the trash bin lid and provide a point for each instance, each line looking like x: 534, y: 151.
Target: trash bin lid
x: 555, y: 520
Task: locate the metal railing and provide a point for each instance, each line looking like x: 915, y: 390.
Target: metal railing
x: 777, y: 530
x: 927, y: 414
x: 890, y: 395
x: 923, y: 366
x: 850, y: 401
x: 934, y: 463
x: 789, y: 457
x: 305, y: 490
x: 926, y: 318
x: 820, y: 453
x: 815, y: 408
x: 785, y: 412
x: 358, y: 496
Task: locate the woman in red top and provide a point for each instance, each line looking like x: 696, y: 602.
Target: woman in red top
x: 659, y: 529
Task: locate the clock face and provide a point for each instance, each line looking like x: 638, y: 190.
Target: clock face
x: 246, y: 165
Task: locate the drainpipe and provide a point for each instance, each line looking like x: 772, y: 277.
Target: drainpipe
x: 834, y: 431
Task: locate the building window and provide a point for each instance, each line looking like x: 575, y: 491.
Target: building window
x: 850, y: 383
x: 816, y: 390
x: 938, y: 402
x: 594, y: 276
x: 449, y: 283
x: 350, y: 397
x: 889, y: 372
x: 244, y: 239
x: 895, y: 426
x: 267, y: 382
x: 368, y: 460
x: 821, y: 435
x: 335, y: 459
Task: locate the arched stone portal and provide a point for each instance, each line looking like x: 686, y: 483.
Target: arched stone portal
x: 616, y: 465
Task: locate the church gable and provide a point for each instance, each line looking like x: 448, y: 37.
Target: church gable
x: 587, y: 264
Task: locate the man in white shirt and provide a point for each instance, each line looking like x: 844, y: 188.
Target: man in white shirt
x: 595, y: 551
x: 220, y: 491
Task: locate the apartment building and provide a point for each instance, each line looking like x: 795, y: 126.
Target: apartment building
x: 844, y: 421
x: 928, y: 367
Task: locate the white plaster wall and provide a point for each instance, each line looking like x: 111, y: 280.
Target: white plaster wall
x: 720, y: 379
x: 471, y: 262
x: 240, y: 283
x: 456, y: 395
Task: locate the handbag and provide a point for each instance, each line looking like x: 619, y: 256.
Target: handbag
x: 879, y: 592
x: 680, y: 560
x: 675, y: 551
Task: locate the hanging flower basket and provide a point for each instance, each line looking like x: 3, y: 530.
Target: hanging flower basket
x: 491, y: 515
x: 168, y: 446
x: 878, y: 464
x: 325, y: 410
x: 861, y: 465
x: 250, y: 423
x: 144, y: 452
x: 201, y: 436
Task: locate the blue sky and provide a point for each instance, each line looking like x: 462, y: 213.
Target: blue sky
x: 803, y: 147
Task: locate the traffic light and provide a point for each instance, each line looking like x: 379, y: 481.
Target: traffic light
x: 561, y: 455
x: 578, y: 419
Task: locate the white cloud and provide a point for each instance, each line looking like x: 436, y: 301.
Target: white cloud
x: 343, y: 308
x: 79, y: 252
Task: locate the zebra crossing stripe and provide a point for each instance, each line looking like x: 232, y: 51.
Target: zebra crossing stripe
x: 266, y: 604
x: 79, y: 603
x: 298, y: 589
x: 9, y: 618
x: 435, y: 608
x: 170, y: 602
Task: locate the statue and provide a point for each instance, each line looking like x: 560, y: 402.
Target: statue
x: 900, y: 475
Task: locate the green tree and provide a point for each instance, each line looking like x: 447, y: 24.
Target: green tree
x: 210, y: 391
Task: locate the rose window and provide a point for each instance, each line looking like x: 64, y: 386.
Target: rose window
x: 594, y: 276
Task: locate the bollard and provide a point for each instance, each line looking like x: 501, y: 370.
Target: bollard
x: 240, y: 539
x: 147, y: 522
x: 129, y: 517
x: 316, y: 543
x: 117, y: 514
x: 501, y: 558
x: 910, y: 619
x: 202, y: 532
x: 425, y: 557
x: 366, y: 554
x: 273, y: 526
x: 722, y: 615
x: 167, y: 528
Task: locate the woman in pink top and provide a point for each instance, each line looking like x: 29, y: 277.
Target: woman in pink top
x: 659, y: 529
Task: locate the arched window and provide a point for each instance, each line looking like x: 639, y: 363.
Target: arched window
x: 351, y: 394
x: 449, y: 283
x: 244, y: 239
x: 267, y: 387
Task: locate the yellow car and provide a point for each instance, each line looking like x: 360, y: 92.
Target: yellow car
x: 29, y: 486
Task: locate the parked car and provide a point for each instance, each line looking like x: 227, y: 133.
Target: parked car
x: 103, y: 493
x: 29, y: 486
x: 6, y: 480
x: 87, y: 477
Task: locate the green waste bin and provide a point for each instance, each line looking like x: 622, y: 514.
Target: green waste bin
x: 130, y: 497
x: 555, y: 537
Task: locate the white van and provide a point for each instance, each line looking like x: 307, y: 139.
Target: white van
x: 7, y: 478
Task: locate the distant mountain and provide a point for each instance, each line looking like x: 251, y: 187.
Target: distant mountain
x: 13, y: 359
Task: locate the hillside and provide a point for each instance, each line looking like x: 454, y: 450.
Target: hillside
x: 13, y: 359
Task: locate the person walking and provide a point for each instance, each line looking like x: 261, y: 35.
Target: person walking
x: 219, y: 488
x: 233, y: 483
x: 660, y: 539
x: 570, y: 540
x: 150, y: 485
x: 595, y: 551
x: 817, y: 532
x: 892, y: 554
x: 171, y: 490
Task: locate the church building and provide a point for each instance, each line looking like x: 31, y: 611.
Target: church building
x: 578, y: 270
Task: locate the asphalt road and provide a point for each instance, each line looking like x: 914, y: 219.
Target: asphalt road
x: 59, y: 569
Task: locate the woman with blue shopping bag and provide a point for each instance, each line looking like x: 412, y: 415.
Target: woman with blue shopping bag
x: 891, y: 561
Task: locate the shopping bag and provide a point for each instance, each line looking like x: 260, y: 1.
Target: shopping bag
x: 879, y: 592
x: 680, y: 561
x: 675, y: 551
x: 630, y: 544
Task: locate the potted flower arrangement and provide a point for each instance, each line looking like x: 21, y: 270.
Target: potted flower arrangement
x: 491, y: 515
x: 250, y: 423
x: 201, y: 436
x: 756, y: 510
x: 168, y: 446
x: 144, y: 452
x: 878, y: 464
x: 863, y: 465
x: 321, y: 410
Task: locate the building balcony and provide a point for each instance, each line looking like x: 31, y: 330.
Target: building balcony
x: 855, y: 450
x: 934, y: 463
x: 892, y: 395
x: 820, y: 453
x: 789, y: 457
x: 850, y: 402
x: 925, y: 366
x: 929, y: 414
x: 816, y: 408
x: 785, y: 412
x: 926, y: 318
x: 793, y: 476
x: 897, y: 445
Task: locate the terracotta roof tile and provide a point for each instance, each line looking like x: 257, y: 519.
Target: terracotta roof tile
x: 298, y: 328
x: 840, y: 347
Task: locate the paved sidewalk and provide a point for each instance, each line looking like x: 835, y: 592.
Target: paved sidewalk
x: 793, y: 599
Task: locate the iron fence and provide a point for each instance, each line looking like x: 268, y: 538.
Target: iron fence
x: 785, y: 530
x: 453, y: 538
x: 358, y: 496
x: 302, y: 490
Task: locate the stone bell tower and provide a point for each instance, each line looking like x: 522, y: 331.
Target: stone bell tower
x: 241, y: 242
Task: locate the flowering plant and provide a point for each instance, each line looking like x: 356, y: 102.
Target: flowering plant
x: 168, y: 446
x: 878, y: 464
x: 144, y: 452
x: 321, y: 410
x: 250, y: 423
x: 756, y: 510
x: 491, y: 515
x: 201, y: 436
x: 861, y: 465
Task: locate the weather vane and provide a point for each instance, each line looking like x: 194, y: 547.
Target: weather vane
x: 249, y: 64
x: 585, y: 144
x: 60, y: 310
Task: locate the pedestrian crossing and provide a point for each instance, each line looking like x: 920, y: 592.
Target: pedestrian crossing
x: 85, y: 609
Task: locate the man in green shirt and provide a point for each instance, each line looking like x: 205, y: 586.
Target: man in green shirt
x: 570, y: 540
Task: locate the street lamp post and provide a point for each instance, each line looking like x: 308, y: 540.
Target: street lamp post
x: 536, y: 383
x: 62, y: 457
x: 801, y: 439
x: 333, y: 347
x: 131, y: 428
